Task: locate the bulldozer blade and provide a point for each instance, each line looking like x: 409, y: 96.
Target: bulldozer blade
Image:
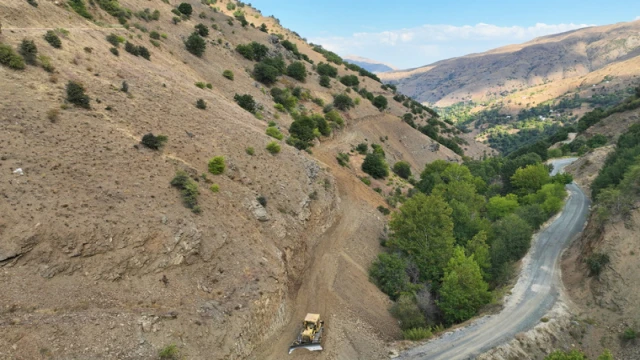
x: 310, y: 347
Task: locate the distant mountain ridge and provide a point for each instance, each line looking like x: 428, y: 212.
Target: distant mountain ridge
x: 559, y: 60
x: 370, y: 65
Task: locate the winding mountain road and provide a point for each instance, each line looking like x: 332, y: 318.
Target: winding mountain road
x: 537, y: 289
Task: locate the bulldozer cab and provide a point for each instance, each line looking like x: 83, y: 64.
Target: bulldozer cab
x: 311, y: 319
x: 311, y: 334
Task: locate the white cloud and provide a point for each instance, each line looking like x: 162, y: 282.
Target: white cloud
x: 637, y: 18
x: 428, y: 43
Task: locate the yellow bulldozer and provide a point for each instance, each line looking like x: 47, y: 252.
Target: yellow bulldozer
x: 311, y: 334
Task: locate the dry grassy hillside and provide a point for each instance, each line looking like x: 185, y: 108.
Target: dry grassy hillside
x: 533, y: 72
x: 100, y: 259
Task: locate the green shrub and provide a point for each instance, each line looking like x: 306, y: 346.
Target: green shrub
x: 114, y: 40
x: 280, y: 107
x: 362, y: 148
x: 188, y: 190
x: 265, y: 73
x: 376, y: 166
x: 274, y: 133
x: 201, y: 104
x: 201, y: 85
x: 350, y: 80
x: 327, y: 70
x: 325, y: 81
x: 217, y: 165
x: 297, y: 70
x: 228, y: 74
x: 343, y: 102
x: 263, y: 28
x: 125, y: 87
x: 262, y: 200
x: 380, y: 102
x: 45, y: 61
x: 629, y: 334
x: 231, y: 6
x: 417, y: 334
x: 76, y: 95
x: 202, y: 30
x: 596, y: 140
x: 215, y: 188
x: 402, y: 169
x: 114, y: 51
x: 10, y: 58
x: 80, y: 8
x: 185, y: 8
x: 366, y: 180
x: 53, y: 39
x: 250, y: 151
x: 343, y: 159
x: 383, y: 210
x: 144, y: 52
x: 318, y: 101
x: 273, y: 147
x: 596, y: 263
x: 554, y: 153
x: 246, y: 102
x: 33, y: 3
x: 154, y: 35
x: 195, y: 44
x: 153, y: 142
x: 407, y: 312
x: 29, y: 51
x: 334, y: 117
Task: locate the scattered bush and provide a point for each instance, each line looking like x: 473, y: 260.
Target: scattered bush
x: 125, y: 87
x: 29, y: 51
x: 407, y: 312
x: 343, y: 102
x: 80, y: 8
x: 201, y: 104
x: 366, y: 180
x: 215, y: 188
x: 262, y: 200
x: 376, y: 166
x: 217, y: 165
x: 325, y: 81
x: 228, y: 74
x: 195, y: 44
x: 343, y: 159
x: 231, y: 6
x: 185, y: 8
x: 402, y: 169
x: 114, y: 51
x: 246, y: 102
x: 350, y: 80
x: 253, y: 51
x: 297, y: 70
x: 318, y: 101
x: 334, y: 117
x: 266, y: 73
x: 10, y: 58
x: 274, y: 133
x: 53, y: 115
x: 273, y: 147
x: 383, y: 210
x: 76, y: 95
x: 154, y: 35
x: 380, y: 102
x: 417, y: 334
x: 115, y: 40
x: 200, y: 85
x: 629, y: 334
x: 53, y: 39
x: 327, y: 70
x: 153, y: 142
x: 33, y: 3
x: 596, y: 263
x: 250, y: 151
x: 362, y: 148
x: 202, y: 30
x: 188, y: 190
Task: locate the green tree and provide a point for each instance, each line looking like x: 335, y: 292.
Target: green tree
x: 185, y: 8
x: 388, y: 273
x: 380, y: 102
x: 265, y: 73
x: 402, y: 169
x: 343, y: 102
x: 432, y: 175
x: 511, y: 241
x: 246, y: 102
x: 76, y: 95
x: 327, y: 70
x: 606, y: 354
x: 531, y: 178
x: 302, y: 129
x: 202, y: 30
x: 501, y: 206
x: 407, y: 312
x: 478, y: 247
x: 297, y: 70
x: 463, y: 290
x: 325, y: 81
x: 423, y: 230
x: 376, y: 166
x: 195, y: 44
x: 350, y: 80
x: 29, y: 51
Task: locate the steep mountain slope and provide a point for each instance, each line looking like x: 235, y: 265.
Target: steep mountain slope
x: 520, y: 72
x: 99, y: 258
x: 371, y: 65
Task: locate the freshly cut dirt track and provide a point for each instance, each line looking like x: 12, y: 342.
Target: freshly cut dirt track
x: 336, y: 283
x: 537, y: 289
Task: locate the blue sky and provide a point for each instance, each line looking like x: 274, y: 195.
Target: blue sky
x: 414, y: 33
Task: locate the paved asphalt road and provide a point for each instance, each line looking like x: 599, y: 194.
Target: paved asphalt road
x: 532, y: 297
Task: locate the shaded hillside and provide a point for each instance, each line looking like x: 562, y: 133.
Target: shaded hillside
x: 128, y: 247
x: 371, y: 65
x: 512, y: 70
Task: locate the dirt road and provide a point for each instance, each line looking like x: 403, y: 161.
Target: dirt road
x: 536, y: 291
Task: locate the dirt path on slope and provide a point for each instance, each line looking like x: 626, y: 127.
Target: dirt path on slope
x: 336, y: 282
